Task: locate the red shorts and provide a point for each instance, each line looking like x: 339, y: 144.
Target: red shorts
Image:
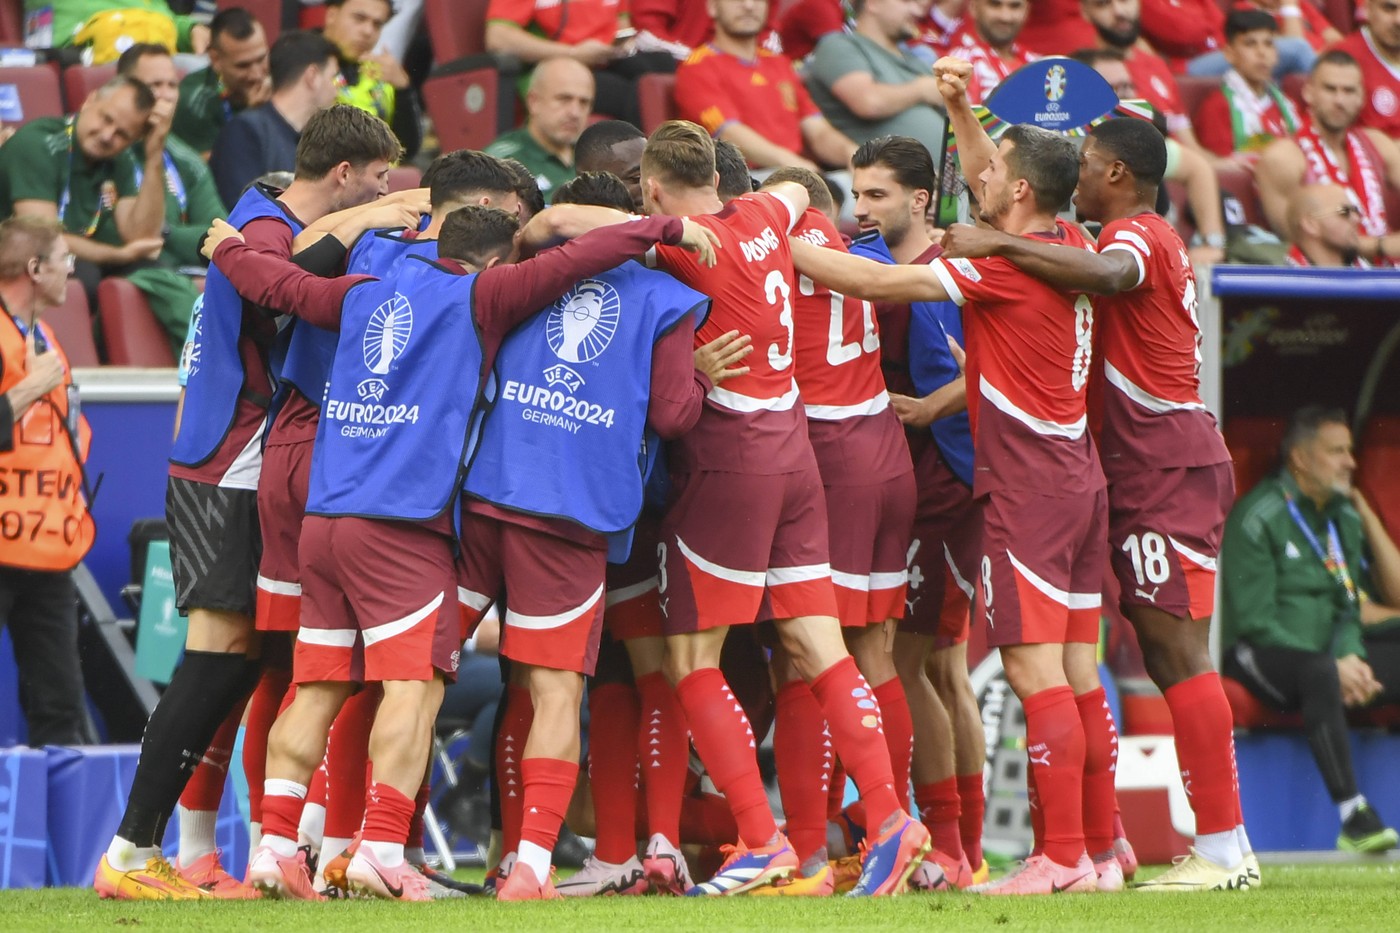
x: 943, y: 555
x: 632, y: 606
x: 1164, y: 530
x: 870, y: 529
x: 286, y: 473
x: 554, y: 591
x: 380, y: 602
x: 1041, y: 578
x: 730, y: 539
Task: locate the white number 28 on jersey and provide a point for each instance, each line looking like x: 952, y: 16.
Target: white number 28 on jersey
x: 837, y: 350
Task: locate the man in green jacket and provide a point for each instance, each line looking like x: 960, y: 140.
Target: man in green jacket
x: 1309, y: 577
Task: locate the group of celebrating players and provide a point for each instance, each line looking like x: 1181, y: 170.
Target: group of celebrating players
x: 600, y: 444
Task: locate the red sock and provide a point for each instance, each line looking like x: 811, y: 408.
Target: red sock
x: 939, y: 809
x: 1037, y: 815
x: 1055, y: 745
x: 899, y: 733
x: 836, y: 796
x: 347, y: 751
x: 387, y: 814
x: 1205, y: 751
x: 262, y: 713
x: 510, y: 743
x: 205, y: 788
x: 802, y: 754
x: 974, y: 812
x: 281, y: 815
x: 612, y: 769
x: 725, y: 742
x: 853, y: 717
x: 663, y: 749
x: 548, y: 785
x: 1100, y: 769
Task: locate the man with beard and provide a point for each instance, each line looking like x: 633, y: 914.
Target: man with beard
x: 1376, y: 47
x: 1325, y: 228
x: 987, y: 38
x: 1332, y: 149
x: 237, y: 78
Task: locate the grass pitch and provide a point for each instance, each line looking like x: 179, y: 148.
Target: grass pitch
x: 1297, y: 898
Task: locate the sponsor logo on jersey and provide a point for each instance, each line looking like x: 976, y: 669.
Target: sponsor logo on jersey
x: 966, y: 269
x: 386, y: 335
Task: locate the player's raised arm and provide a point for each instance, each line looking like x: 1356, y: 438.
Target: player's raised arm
x: 1107, y: 272
x: 975, y: 147
x: 864, y: 278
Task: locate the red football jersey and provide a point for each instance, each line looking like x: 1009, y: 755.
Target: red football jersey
x: 766, y: 95
x: 1154, y: 82
x: 855, y: 434
x: 1146, y: 393
x: 988, y: 68
x: 1029, y: 349
x: 752, y: 423
x: 1381, y: 80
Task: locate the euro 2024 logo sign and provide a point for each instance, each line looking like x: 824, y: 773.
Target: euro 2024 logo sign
x: 386, y: 337
x: 1055, y: 82
x: 580, y: 327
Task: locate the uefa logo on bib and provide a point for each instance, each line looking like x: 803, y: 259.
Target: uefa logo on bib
x: 387, y: 334
x: 583, y: 322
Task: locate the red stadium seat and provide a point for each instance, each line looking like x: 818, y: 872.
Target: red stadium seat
x: 267, y: 12
x: 133, y: 335
x: 72, y: 324
x: 11, y: 22
x: 1253, y: 444
x: 457, y: 28
x: 81, y: 80
x: 464, y: 107
x: 1176, y: 193
x: 1378, y: 468
x: 1249, y: 713
x: 404, y: 177
x: 38, y: 92
x: 1193, y: 90
x: 1292, y: 87
x: 656, y: 93
x: 1342, y: 14
x: 1239, y: 183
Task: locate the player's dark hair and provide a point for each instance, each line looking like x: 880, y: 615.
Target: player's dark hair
x: 1334, y: 57
x: 680, y: 153
x: 596, y: 141
x: 1239, y: 22
x: 234, y: 22
x: 127, y: 61
x: 467, y: 173
x: 293, y: 53
x: 833, y: 190
x: 733, y: 169
x: 817, y: 192
x: 1092, y: 57
x: 905, y: 157
x: 1303, y: 426
x: 602, y: 189
x: 527, y: 189
x: 1049, y: 162
x: 145, y: 100
x: 344, y: 134
x: 475, y: 234
x: 1137, y: 144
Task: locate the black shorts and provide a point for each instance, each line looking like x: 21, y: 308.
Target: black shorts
x: 215, y: 545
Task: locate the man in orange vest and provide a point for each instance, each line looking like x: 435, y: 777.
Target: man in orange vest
x: 45, y: 528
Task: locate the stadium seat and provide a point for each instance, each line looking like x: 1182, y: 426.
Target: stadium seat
x: 1239, y: 183
x: 1176, y: 193
x: 72, y: 324
x: 404, y: 177
x: 1249, y: 713
x: 1342, y: 14
x: 464, y: 107
x: 11, y: 22
x: 1193, y: 91
x: 267, y: 12
x: 1292, y: 87
x: 38, y: 92
x: 457, y: 28
x: 81, y: 80
x: 1378, y: 467
x: 133, y: 335
x: 1253, y: 444
x: 656, y: 95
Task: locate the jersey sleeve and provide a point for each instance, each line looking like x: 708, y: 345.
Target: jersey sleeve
x: 971, y: 279
x: 777, y: 207
x: 1122, y: 237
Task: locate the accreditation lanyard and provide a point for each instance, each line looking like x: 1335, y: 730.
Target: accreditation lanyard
x: 173, y: 183
x: 67, y: 195
x: 1332, y: 558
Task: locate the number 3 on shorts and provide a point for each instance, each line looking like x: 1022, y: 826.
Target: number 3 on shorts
x: 1149, y: 557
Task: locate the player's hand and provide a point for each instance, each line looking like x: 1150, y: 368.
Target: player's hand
x: 158, y: 128
x: 959, y: 356
x: 417, y: 197
x: 953, y: 75
x: 398, y: 215
x: 147, y: 247
x: 699, y: 240
x: 1358, y: 681
x: 914, y: 412
x: 718, y: 358
x: 219, y: 231
x: 593, y: 53
x: 968, y: 242
x: 43, y: 370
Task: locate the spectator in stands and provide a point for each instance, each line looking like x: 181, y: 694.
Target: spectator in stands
x: 66, y: 168
x: 1184, y: 165
x: 939, y: 24
x: 613, y: 146
x: 803, y: 23
x: 869, y: 84
x: 1297, y: 19
x: 108, y: 27
x: 236, y: 79
x: 590, y: 32
x: 1324, y: 227
x: 1308, y: 572
x: 191, y: 201
x: 373, y: 81
x: 678, y: 27
x: 987, y: 39
x: 1247, y: 111
x: 41, y: 434
x: 558, y: 102
x: 753, y: 98
x: 1376, y: 47
x: 1055, y: 26
x: 1333, y: 149
x: 264, y: 139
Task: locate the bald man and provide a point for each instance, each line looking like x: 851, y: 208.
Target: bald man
x: 1325, y: 226
x: 558, y: 101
